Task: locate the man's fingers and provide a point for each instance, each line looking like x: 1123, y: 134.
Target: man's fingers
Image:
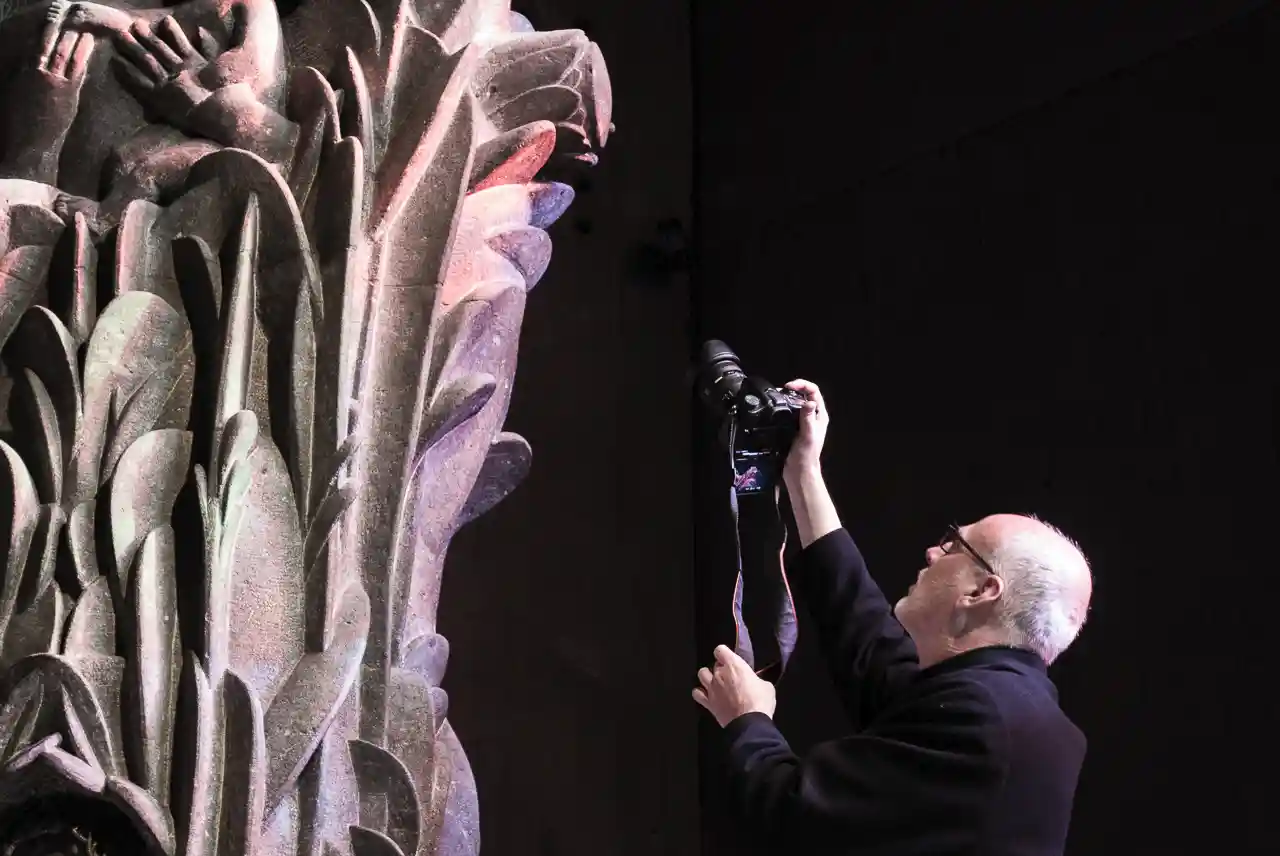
x: 705, y: 677
x: 808, y: 387
x: 810, y: 390
x: 701, y: 698
x: 726, y: 656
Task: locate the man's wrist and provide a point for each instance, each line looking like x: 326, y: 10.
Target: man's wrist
x: 799, y: 473
x: 811, y: 505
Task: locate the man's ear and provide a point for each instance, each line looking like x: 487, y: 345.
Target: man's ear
x: 989, y: 589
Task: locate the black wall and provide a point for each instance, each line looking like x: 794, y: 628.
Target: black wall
x: 1027, y: 250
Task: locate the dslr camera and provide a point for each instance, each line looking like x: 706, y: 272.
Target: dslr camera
x: 759, y: 421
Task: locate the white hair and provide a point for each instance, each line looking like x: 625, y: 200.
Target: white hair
x: 1042, y: 609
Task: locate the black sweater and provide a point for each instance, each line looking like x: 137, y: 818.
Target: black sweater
x: 969, y: 757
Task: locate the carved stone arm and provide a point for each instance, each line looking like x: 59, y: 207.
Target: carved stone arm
x: 236, y: 118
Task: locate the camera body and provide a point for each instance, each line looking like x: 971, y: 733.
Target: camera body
x: 759, y: 421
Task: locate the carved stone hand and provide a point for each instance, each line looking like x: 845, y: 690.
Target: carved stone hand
x: 162, y: 66
x: 45, y: 104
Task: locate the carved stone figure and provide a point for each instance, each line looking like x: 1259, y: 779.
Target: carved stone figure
x: 261, y: 287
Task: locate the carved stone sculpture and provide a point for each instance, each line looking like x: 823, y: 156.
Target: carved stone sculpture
x: 261, y: 285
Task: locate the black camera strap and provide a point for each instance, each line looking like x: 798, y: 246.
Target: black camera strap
x: 764, y: 574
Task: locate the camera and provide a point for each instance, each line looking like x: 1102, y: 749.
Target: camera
x: 759, y: 421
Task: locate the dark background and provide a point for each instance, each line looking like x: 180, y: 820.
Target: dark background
x: 1028, y: 250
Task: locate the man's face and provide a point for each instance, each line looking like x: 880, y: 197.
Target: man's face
x: 931, y: 609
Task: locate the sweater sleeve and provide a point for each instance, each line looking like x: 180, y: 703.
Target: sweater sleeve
x: 868, y: 653
x: 931, y: 772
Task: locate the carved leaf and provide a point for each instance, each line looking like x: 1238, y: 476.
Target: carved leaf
x: 340, y: 196
x: 42, y: 557
x: 22, y: 273
x: 261, y: 551
x: 19, y: 714
x: 455, y: 403
x: 39, y: 436
x: 528, y: 248
x: 484, y: 340
x: 420, y: 182
x: 416, y: 56
x: 145, y: 813
x: 92, y: 628
x: 527, y: 62
x: 138, y: 336
x: 45, y: 760
x: 318, y: 32
x: 428, y: 656
x: 42, y: 345
x: 506, y: 465
x: 197, y: 779
x: 555, y: 103
x: 153, y: 662
x: 98, y: 747
x: 140, y: 264
x: 76, y: 299
x: 357, y: 107
x: 19, y: 515
x: 162, y: 401
x: 308, y: 702
x: 38, y: 629
x: 475, y: 262
x: 513, y: 157
x: 460, y: 826
x: 370, y: 842
x: 314, y: 105
x: 303, y: 405
x: 387, y: 794
x: 143, y: 492
x: 436, y: 136
x: 237, y: 345
x: 244, y: 779
x: 80, y: 547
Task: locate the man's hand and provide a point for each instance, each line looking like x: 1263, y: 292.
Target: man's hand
x: 815, y: 514
x: 807, y: 448
x: 733, y: 689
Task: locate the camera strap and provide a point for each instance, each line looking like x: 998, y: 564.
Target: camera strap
x: 764, y: 573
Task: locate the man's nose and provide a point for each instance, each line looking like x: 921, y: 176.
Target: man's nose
x: 932, y: 554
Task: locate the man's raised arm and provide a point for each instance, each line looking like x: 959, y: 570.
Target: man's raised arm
x: 866, y: 649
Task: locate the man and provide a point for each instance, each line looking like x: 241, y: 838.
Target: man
x: 960, y: 748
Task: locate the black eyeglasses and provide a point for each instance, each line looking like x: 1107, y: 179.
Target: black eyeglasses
x: 953, y: 540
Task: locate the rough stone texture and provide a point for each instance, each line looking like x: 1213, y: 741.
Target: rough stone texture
x: 261, y: 287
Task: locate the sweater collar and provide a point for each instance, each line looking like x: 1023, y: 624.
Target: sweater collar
x: 999, y: 656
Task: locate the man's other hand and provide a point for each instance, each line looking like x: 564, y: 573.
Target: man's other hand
x: 807, y: 448
x: 733, y: 689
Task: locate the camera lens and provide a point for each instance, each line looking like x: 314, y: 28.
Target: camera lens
x: 719, y: 375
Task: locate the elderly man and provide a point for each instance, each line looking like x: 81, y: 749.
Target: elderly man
x: 960, y: 747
